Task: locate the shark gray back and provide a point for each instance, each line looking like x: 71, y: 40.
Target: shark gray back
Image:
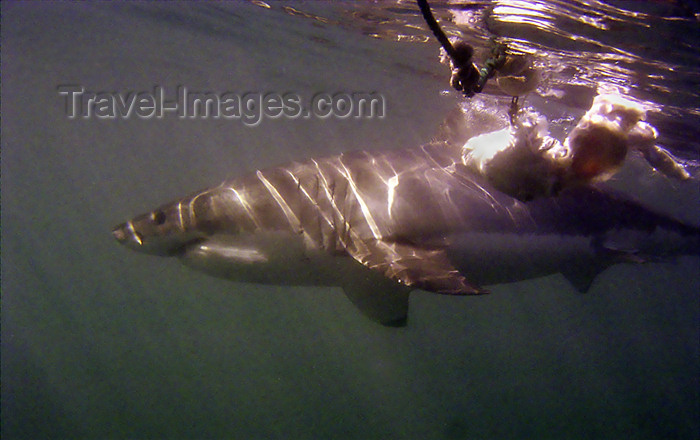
x: 380, y: 224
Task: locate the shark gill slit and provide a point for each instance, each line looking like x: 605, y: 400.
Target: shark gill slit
x: 330, y: 196
x: 291, y: 217
x: 246, y: 207
x: 179, y: 214
x: 321, y: 216
x: 363, y: 206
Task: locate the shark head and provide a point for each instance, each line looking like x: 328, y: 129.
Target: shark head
x: 160, y: 232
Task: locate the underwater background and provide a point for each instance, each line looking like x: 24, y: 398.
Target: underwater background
x: 102, y: 342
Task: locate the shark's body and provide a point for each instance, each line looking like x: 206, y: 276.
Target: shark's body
x: 381, y: 224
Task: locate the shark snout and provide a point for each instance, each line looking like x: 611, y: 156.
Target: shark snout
x: 141, y: 235
x: 126, y: 235
x: 119, y: 233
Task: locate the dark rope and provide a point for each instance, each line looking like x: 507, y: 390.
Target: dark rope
x: 437, y: 30
x: 465, y: 76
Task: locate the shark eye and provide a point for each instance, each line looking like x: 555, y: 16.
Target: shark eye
x: 158, y: 217
x: 526, y: 197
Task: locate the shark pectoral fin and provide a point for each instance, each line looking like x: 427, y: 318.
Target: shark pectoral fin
x: 582, y: 276
x: 580, y: 279
x: 417, y: 267
x: 380, y: 299
x: 381, y: 302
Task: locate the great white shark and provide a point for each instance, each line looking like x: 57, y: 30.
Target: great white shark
x: 380, y: 224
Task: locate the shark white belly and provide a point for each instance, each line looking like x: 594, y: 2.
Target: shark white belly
x: 381, y: 224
